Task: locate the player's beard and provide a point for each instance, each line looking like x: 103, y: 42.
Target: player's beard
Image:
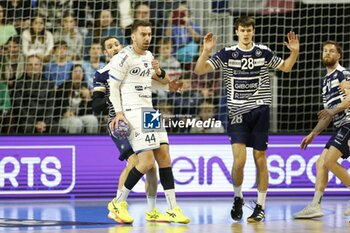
x: 329, y: 62
x: 145, y: 46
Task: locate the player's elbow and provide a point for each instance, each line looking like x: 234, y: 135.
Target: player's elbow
x: 285, y: 68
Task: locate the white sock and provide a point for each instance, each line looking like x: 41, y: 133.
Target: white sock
x: 317, y: 197
x: 170, y: 198
x: 261, y: 199
x: 151, y: 202
x: 119, y: 193
x: 122, y: 194
x: 238, y: 191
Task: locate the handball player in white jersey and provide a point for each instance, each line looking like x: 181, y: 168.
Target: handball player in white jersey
x: 131, y: 73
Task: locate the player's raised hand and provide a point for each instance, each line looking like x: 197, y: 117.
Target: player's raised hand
x: 293, y: 42
x: 156, y: 67
x: 209, y: 42
x: 306, y: 141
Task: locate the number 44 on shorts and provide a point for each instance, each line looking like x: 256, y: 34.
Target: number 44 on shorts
x: 150, y: 138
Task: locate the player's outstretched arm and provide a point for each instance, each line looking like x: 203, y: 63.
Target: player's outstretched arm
x: 322, y: 124
x: 293, y: 45
x: 202, y: 67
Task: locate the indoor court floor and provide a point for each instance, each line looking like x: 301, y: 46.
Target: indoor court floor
x: 208, y: 215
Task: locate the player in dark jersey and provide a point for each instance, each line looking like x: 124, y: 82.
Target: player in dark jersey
x: 101, y: 103
x: 336, y: 101
x: 245, y: 69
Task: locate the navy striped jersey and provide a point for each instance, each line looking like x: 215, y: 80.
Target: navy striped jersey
x: 100, y: 83
x: 246, y: 76
x: 332, y: 95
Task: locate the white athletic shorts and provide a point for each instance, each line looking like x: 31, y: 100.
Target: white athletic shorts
x: 139, y: 139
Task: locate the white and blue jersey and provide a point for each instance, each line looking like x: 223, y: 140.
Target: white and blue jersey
x: 332, y: 95
x: 246, y: 76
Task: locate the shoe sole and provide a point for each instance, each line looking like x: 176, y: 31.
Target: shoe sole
x: 164, y: 221
x: 117, y: 219
x: 183, y: 222
x: 237, y: 219
x: 309, y: 216
x: 254, y: 221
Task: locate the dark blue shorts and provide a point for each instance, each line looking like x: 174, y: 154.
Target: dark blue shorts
x: 340, y: 140
x: 124, y: 147
x: 251, y: 128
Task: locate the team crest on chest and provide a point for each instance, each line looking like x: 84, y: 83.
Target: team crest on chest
x: 235, y: 54
x: 258, y: 53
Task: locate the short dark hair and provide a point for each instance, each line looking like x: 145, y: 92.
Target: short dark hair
x: 107, y: 38
x: 244, y: 21
x: 336, y: 44
x: 140, y: 23
x: 16, y: 39
x: 59, y: 44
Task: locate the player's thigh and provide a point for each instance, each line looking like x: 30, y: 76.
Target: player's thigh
x: 260, y: 128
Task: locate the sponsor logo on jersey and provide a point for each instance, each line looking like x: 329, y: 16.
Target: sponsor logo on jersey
x: 139, y: 88
x: 137, y: 71
x: 234, y: 63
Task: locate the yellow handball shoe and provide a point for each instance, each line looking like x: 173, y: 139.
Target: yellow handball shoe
x: 177, y: 216
x: 156, y: 216
x: 119, y: 212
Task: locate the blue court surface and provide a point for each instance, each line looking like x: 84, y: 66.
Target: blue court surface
x: 208, y: 215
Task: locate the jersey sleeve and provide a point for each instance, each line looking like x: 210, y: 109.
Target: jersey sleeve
x: 271, y: 59
x: 345, y: 76
x: 99, y: 83
x: 218, y: 60
x: 119, y: 67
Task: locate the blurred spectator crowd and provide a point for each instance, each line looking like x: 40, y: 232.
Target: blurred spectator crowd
x: 51, y: 49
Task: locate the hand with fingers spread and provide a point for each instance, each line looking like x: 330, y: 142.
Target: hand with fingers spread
x: 293, y: 42
x: 209, y: 42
